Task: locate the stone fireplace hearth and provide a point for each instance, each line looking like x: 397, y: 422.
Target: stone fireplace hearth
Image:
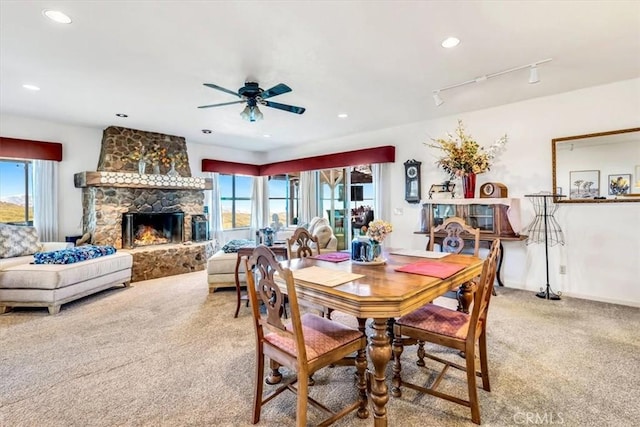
x: 117, y: 193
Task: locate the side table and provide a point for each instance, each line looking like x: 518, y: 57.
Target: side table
x: 278, y: 250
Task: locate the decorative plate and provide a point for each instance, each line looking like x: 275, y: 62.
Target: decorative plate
x: 380, y: 262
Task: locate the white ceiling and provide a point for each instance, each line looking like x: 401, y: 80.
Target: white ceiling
x: 377, y: 61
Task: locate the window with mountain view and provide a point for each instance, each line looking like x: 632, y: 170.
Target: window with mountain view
x: 235, y: 200
x: 16, y: 192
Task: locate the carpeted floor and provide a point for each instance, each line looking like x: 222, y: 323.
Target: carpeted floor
x: 165, y: 352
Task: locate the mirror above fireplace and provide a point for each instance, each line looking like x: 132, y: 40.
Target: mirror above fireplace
x: 597, y: 168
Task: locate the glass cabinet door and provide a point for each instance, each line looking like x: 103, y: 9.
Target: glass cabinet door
x: 442, y: 212
x: 481, y: 216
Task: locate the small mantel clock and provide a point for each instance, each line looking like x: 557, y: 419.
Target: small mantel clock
x: 412, y: 190
x: 491, y: 190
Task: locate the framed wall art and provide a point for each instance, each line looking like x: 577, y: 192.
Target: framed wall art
x: 584, y: 184
x: 619, y: 184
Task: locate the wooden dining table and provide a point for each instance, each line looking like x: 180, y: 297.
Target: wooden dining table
x: 382, y: 293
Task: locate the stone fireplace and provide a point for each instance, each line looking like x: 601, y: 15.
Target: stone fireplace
x: 118, y: 201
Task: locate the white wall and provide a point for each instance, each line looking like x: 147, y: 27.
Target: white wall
x: 602, y: 251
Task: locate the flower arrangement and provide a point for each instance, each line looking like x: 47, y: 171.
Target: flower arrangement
x: 463, y: 155
x: 378, y: 230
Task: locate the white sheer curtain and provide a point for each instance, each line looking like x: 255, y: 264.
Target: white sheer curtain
x: 45, y: 203
x: 259, y: 204
x: 381, y: 191
x: 308, y: 197
x: 215, y: 211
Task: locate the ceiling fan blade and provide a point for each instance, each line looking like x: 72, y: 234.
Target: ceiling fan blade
x: 278, y: 89
x: 220, y: 105
x: 212, y: 86
x: 290, y: 108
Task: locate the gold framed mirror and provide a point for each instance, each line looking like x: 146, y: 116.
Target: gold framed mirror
x: 597, y: 168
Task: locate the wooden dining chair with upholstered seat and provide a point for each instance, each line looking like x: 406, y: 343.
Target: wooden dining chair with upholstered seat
x: 457, y: 233
x: 453, y: 329
x: 304, y: 344
x: 454, y: 241
x: 302, y: 244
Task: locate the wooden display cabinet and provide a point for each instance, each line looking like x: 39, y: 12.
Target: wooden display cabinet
x: 491, y: 218
x: 494, y: 217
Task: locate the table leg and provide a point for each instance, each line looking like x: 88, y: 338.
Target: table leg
x: 379, y: 353
x: 238, y: 290
x: 465, y: 297
x: 499, y: 269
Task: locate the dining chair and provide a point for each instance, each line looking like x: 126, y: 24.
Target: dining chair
x: 454, y: 241
x: 304, y: 344
x: 453, y: 329
x: 302, y: 244
x: 457, y: 233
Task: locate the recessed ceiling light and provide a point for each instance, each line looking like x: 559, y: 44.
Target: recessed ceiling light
x: 31, y: 87
x: 343, y: 115
x: 266, y: 135
x: 450, y: 42
x: 207, y: 131
x: 57, y: 16
x: 121, y: 115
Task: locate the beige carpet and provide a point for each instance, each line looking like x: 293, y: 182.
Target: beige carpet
x: 166, y: 353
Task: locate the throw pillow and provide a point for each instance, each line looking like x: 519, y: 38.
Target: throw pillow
x: 232, y: 246
x: 18, y: 240
x: 72, y: 255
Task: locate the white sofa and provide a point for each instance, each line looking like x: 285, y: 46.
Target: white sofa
x: 51, y: 285
x: 318, y: 227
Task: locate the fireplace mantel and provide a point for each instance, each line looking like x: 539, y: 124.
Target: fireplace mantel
x: 135, y: 180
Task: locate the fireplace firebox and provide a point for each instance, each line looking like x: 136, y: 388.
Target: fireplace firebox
x: 144, y: 229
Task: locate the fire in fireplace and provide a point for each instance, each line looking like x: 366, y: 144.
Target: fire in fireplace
x: 143, y: 229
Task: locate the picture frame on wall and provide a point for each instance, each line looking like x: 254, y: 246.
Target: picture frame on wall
x: 584, y: 184
x: 619, y: 184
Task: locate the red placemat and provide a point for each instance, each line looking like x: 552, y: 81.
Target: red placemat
x: 333, y: 256
x: 432, y: 268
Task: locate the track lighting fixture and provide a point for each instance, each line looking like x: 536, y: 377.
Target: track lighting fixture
x: 533, y: 74
x: 533, y: 78
x: 437, y: 99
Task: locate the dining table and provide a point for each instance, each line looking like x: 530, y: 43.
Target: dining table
x: 377, y: 291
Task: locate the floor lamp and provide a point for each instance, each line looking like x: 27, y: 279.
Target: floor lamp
x: 545, y: 228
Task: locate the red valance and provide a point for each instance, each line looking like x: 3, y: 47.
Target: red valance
x: 386, y: 154
x: 27, y: 149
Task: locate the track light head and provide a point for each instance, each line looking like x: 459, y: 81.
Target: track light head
x: 533, y: 74
x: 436, y: 98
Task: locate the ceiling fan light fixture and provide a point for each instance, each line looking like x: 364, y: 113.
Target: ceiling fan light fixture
x: 251, y: 113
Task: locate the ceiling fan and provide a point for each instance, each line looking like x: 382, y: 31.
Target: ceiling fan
x: 253, y: 95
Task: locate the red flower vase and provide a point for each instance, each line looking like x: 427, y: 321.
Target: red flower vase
x: 469, y: 185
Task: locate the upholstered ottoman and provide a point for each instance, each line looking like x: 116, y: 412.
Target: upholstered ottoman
x: 51, y: 285
x: 221, y: 269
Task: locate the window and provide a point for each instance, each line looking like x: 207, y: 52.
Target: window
x: 16, y: 192
x: 283, y: 198
x: 235, y: 201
